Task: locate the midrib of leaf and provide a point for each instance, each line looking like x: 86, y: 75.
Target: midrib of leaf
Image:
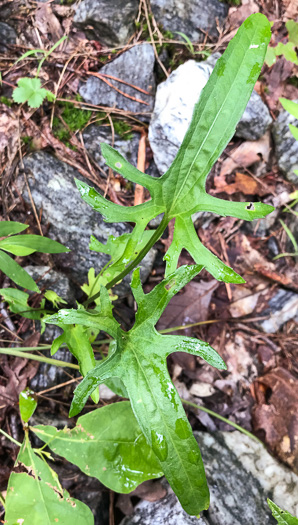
x: 87, y: 440
x: 209, y: 131
x: 164, y: 421
x: 37, y: 481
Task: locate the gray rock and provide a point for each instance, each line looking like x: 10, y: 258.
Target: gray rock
x: 72, y: 220
x: 135, y: 66
x: 255, y: 120
x: 286, y: 147
x: 241, y: 475
x: 49, y: 375
x: 190, y: 16
x: 112, y: 23
x: 52, y: 280
x: 282, y: 308
x: 7, y: 36
x: 174, y: 104
x: 94, y: 135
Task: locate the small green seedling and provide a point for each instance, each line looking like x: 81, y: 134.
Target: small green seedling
x: 29, y: 89
x: 288, y: 50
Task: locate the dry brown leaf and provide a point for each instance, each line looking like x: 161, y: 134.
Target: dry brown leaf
x: 248, y: 153
x: 243, y: 183
x: 47, y: 23
x: 9, y: 130
x: 19, y: 372
x: 237, y: 15
x: 291, y: 7
x: 275, y: 414
x: 191, y: 306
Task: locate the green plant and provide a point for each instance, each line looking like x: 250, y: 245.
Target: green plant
x: 293, y: 241
x: 22, y: 245
x: 135, y: 367
x: 29, y: 89
x: 288, y: 50
x: 282, y: 516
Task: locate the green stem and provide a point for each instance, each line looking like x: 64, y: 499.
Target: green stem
x: 56, y: 362
x: 157, y: 234
x: 231, y: 423
x: 10, y: 438
x: 2, y: 501
x: 190, y: 325
x: 48, y: 53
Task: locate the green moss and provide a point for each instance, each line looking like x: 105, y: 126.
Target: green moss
x: 26, y: 140
x: 75, y: 119
x: 7, y: 101
x: 122, y: 129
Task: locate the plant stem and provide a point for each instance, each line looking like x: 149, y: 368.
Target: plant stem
x: 231, y: 423
x: 157, y: 234
x: 56, y: 362
x: 10, y: 438
x: 2, y: 501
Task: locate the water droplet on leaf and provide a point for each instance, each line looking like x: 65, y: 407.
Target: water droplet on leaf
x: 159, y: 445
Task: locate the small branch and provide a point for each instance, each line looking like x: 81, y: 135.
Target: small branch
x: 10, y: 438
x: 231, y: 423
x: 56, y: 362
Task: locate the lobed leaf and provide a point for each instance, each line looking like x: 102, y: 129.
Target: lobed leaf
x: 107, y: 444
x: 282, y: 516
x: 138, y: 359
x: 29, y: 90
x: 181, y: 192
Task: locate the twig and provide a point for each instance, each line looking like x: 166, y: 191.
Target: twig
x: 152, y: 39
x: 139, y: 189
x: 98, y: 75
x: 33, y: 205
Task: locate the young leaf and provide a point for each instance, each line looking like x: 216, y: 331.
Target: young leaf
x: 11, y: 227
x: 107, y: 444
x: 138, y: 358
x: 27, y: 404
x: 54, y: 298
x: 77, y: 341
x: 30, y: 90
x: 35, y: 496
x: 282, y: 516
x: 180, y: 192
x: 16, y: 273
x: 118, y: 248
